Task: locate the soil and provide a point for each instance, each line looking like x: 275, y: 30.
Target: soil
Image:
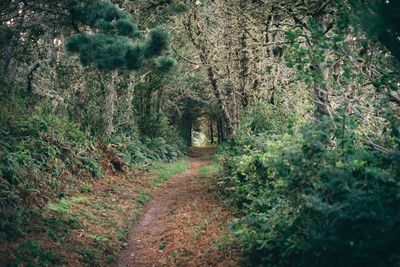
x: 184, y: 224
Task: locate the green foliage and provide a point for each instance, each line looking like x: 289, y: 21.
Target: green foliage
x: 165, y: 64
x: 381, y: 21
x: 163, y: 150
x: 315, y: 61
x: 162, y: 139
x: 130, y: 148
x: 316, y: 198
x: 156, y: 42
x: 134, y: 56
x: 212, y: 169
x: 265, y: 118
x: 63, y: 206
x: 106, y: 16
x: 135, y: 152
x: 178, y: 7
x: 143, y: 198
x: 86, y: 188
x: 35, y: 149
x: 105, y: 52
x: 31, y: 254
x: 111, y: 46
x: 164, y: 171
x: 14, y: 221
x: 62, y: 222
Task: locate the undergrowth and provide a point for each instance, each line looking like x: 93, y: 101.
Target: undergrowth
x: 49, y: 166
x: 87, y: 227
x: 316, y: 197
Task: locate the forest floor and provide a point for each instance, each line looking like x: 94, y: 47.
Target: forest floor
x: 170, y: 214
x: 185, y: 224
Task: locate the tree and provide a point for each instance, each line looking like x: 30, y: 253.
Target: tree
x: 381, y: 20
x: 112, y: 42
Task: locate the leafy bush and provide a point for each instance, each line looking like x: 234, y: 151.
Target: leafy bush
x: 33, y: 255
x: 263, y: 117
x: 316, y: 198
x: 164, y: 151
x: 130, y: 148
x: 35, y: 150
x: 133, y: 151
x: 157, y: 141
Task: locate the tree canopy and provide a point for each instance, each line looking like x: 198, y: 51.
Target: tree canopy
x: 110, y: 44
x: 381, y: 20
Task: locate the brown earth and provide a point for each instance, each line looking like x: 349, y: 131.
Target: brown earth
x: 184, y: 224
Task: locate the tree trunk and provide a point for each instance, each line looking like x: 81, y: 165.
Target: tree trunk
x: 243, y: 57
x: 221, y: 102
x: 110, y: 104
x: 211, y: 133
x: 32, y: 70
x: 147, y: 107
x: 131, y: 91
x: 160, y: 96
x: 321, y: 99
x: 220, y: 130
x: 320, y: 90
x: 233, y: 110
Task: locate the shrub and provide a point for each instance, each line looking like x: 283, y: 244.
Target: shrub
x: 33, y: 255
x: 133, y: 151
x: 35, y: 149
x: 157, y: 141
x: 316, y: 198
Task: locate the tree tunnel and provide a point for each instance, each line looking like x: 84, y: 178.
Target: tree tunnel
x: 201, y: 125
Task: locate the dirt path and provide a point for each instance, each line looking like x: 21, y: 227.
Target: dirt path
x: 182, y: 224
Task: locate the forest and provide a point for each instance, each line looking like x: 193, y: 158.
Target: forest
x: 200, y: 133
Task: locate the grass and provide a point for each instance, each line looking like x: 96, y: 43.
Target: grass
x: 143, y: 198
x: 164, y: 171
x: 212, y: 169
x: 64, y: 204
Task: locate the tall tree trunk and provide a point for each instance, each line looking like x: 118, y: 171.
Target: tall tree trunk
x: 233, y: 109
x: 110, y: 104
x: 7, y: 60
x: 221, y: 103
x: 131, y: 91
x: 321, y: 98
x: 32, y: 69
x: 211, y: 133
x: 220, y: 130
x: 160, y: 96
x: 243, y: 57
x: 320, y: 90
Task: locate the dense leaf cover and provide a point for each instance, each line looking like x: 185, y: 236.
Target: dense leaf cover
x: 109, y: 45
x: 316, y: 198
x: 319, y: 193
